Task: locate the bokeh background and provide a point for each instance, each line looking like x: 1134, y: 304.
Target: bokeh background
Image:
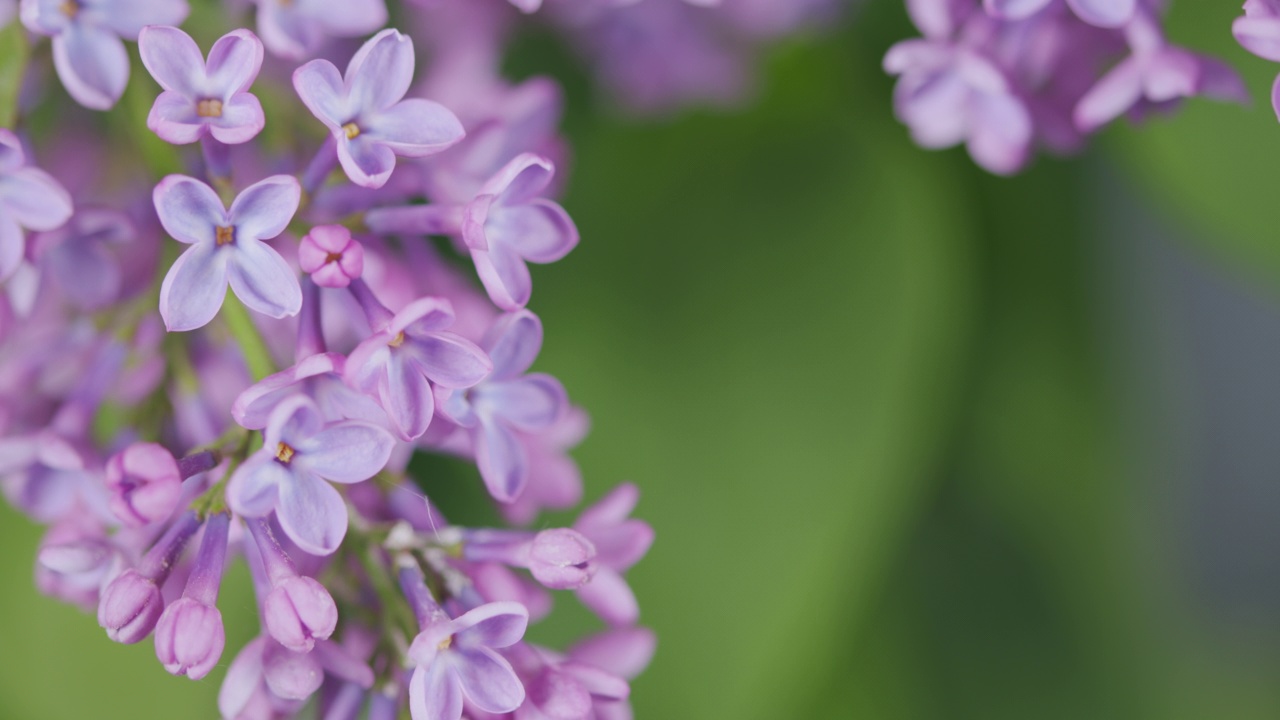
x: 918, y: 442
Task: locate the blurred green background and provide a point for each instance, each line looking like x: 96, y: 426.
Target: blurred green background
x: 917, y: 442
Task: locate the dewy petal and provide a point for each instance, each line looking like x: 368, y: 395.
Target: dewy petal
x: 34, y: 199
x: 367, y: 161
x: 406, y: 396
x: 1111, y: 96
x: 263, y: 280
x: 495, y: 625
x: 320, y: 87
x: 541, y: 231
x: 173, y: 59
x: 434, y: 693
x: 380, y: 72
x: 504, y: 275
x: 173, y: 117
x: 312, y: 514
x: 502, y: 461
x: 450, y: 360
x: 188, y: 209
x: 254, y: 489
x: 1104, y: 13
x: 415, y: 128
x: 241, y: 120
x: 263, y: 210
x: 92, y: 63
x: 513, y: 342
x: 234, y: 61
x: 348, y: 452
x: 488, y: 680
x: 194, y: 288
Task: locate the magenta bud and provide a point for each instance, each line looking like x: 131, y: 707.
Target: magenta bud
x: 129, y: 608
x: 561, y: 559
x: 300, y: 611
x: 291, y: 675
x: 330, y: 255
x: 144, y: 482
x: 190, y: 638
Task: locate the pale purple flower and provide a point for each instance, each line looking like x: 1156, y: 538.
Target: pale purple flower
x: 1259, y: 30
x: 366, y: 114
x: 291, y: 473
x: 144, y: 482
x: 226, y: 247
x: 203, y: 99
x: 245, y: 695
x: 948, y: 94
x: 331, y: 256
x: 401, y: 361
x: 43, y: 474
x: 189, y: 635
x: 78, y: 256
x: 457, y: 658
x: 506, y: 403
x: 87, y: 48
x: 620, y: 542
x: 560, y: 687
x: 297, y: 611
x: 1102, y: 13
x: 296, y: 29
x: 508, y: 223
x: 29, y: 197
x: 131, y: 604
x: 622, y: 652
x: 1155, y: 74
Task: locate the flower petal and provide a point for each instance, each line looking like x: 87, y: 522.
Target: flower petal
x: 1104, y: 13
x: 34, y: 199
x: 513, y: 342
x: 530, y: 403
x: 254, y: 489
x: 502, y: 460
x: 609, y: 596
x: 367, y: 161
x: 449, y: 360
x: 423, y: 316
x: 194, y: 288
x: 495, y: 625
x: 13, y: 246
x: 263, y: 280
x: 263, y: 210
x: 92, y: 63
x: 348, y: 452
x: 173, y: 117
x: 380, y: 72
x: 173, y: 59
x: 188, y: 209
x: 415, y: 128
x: 128, y: 17
x: 320, y: 86
x: 312, y: 514
x: 234, y: 61
x: 1110, y: 97
x: 541, y: 231
x: 434, y: 693
x: 504, y: 275
x: 488, y: 680
x: 406, y: 396
x: 240, y: 122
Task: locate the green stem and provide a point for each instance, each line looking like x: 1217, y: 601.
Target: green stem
x: 256, y: 354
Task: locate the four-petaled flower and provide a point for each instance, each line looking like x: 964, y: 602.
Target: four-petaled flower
x: 290, y: 474
x: 87, y: 50
x: 226, y: 247
x: 370, y: 122
x: 202, y: 98
x: 454, y: 658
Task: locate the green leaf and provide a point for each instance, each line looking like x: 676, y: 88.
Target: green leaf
x: 13, y: 61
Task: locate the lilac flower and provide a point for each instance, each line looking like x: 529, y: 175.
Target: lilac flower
x: 298, y: 611
x: 1102, y: 13
x: 78, y: 256
x: 145, y: 481
x: 508, y: 224
x: 330, y: 255
x: 561, y: 687
x: 295, y: 29
x: 559, y: 558
x: 226, y: 247
x: 455, y: 658
x: 87, y: 48
x: 505, y: 402
x: 318, y: 377
x: 289, y: 474
x: 620, y: 543
x: 29, y: 197
x: 203, y: 99
x: 364, y: 110
x: 399, y: 363
x: 131, y: 604
x: 42, y: 474
x: 1259, y: 30
x: 1155, y: 73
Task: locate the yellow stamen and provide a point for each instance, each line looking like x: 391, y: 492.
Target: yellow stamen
x: 333, y: 257
x: 284, y: 453
x: 209, y: 107
x: 225, y: 235
x: 70, y: 8
x: 352, y: 130
x: 398, y: 340
x: 445, y: 643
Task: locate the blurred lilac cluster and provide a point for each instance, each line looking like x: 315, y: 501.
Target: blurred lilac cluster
x: 1006, y: 76
x: 162, y: 427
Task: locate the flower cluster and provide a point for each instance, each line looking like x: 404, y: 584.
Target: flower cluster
x: 1006, y: 76
x: 376, y: 245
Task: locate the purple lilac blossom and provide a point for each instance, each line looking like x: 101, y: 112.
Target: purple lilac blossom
x: 365, y: 111
x: 1259, y: 33
x: 88, y: 51
x: 203, y: 98
x: 296, y: 29
x: 331, y: 256
x: 29, y: 198
x: 226, y: 248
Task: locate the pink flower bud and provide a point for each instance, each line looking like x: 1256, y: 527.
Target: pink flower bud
x: 129, y: 608
x: 298, y: 612
x: 190, y: 638
x: 561, y: 559
x: 330, y: 255
x: 144, y: 482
